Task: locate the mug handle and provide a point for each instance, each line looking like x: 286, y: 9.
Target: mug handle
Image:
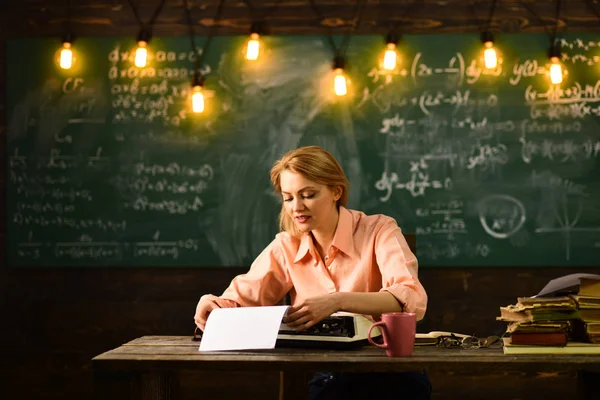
x: 382, y: 324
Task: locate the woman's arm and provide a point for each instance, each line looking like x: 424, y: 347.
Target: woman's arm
x: 367, y: 303
x: 314, y: 309
x: 399, y: 269
x: 265, y: 283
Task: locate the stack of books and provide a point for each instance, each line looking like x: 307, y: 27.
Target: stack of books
x: 544, y: 321
x: 563, y: 318
x: 588, y: 302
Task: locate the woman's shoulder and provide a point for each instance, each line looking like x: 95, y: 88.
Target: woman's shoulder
x: 285, y: 240
x: 360, y: 218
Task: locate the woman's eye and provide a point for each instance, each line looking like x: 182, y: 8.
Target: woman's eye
x: 288, y: 199
x: 308, y: 196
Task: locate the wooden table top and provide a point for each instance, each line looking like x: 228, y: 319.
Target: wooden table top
x: 180, y: 352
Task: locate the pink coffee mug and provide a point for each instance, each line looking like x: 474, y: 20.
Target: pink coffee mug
x: 399, y: 329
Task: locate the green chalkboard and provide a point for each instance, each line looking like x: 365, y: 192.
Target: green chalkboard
x: 106, y: 166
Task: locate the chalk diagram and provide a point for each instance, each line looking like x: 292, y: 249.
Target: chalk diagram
x: 501, y: 215
x: 566, y: 225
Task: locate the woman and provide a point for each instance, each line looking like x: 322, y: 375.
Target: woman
x: 330, y: 259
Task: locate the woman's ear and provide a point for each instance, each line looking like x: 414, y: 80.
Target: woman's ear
x: 337, y: 193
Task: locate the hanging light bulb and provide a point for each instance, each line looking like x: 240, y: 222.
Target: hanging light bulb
x: 141, y: 53
x: 253, y: 48
x: 490, y: 57
x: 390, y: 57
x: 66, y: 53
x: 556, y: 71
x: 197, y: 94
x: 339, y: 79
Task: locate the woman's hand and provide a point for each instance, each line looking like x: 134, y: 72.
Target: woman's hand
x: 311, y: 311
x: 207, y: 303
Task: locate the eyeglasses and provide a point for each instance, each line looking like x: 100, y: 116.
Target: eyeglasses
x: 469, y: 342
x: 197, y: 335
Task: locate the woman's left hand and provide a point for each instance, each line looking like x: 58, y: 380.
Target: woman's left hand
x: 311, y: 311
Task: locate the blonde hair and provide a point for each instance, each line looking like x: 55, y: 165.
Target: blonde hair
x: 315, y: 164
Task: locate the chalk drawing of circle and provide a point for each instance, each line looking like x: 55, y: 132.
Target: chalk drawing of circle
x: 496, y: 203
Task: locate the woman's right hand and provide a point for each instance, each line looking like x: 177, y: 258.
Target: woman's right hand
x: 207, y: 303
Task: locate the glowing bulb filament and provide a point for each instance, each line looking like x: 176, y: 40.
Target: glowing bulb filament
x: 556, y: 73
x: 389, y: 58
x: 141, y: 54
x: 339, y: 83
x: 253, y: 47
x: 489, y: 56
x: 66, y: 56
x: 197, y: 99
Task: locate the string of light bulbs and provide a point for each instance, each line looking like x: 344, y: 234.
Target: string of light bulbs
x: 197, y: 97
x: 340, y: 84
x: 390, y: 55
x: 66, y: 57
x: 257, y: 28
x: 490, y: 54
x: 556, y: 70
x: 145, y: 34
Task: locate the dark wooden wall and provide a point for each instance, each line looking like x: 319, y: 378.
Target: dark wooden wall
x: 55, y: 320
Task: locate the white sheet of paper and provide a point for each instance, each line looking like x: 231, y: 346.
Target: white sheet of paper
x: 242, y: 328
x: 564, y: 282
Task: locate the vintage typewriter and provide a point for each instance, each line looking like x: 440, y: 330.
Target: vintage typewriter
x: 339, y: 331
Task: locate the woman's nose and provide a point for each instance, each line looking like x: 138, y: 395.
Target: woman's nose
x: 298, y: 204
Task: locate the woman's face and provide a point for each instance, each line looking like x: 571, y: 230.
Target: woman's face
x: 312, y: 206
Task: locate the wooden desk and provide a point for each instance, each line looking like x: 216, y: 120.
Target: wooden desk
x: 152, y: 364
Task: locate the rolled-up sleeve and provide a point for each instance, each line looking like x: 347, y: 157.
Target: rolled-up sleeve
x: 399, y: 269
x: 265, y: 283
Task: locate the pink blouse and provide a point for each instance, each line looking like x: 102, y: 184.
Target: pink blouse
x: 368, y: 254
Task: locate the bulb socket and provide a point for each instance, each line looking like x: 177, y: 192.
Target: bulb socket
x: 257, y: 27
x: 487, y: 36
x: 391, y: 38
x: 339, y: 62
x: 197, y: 80
x: 144, y: 36
x: 68, y: 38
x: 554, y: 51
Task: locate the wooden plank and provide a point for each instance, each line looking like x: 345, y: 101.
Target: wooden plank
x: 114, y: 17
x: 166, y: 356
x: 174, y: 353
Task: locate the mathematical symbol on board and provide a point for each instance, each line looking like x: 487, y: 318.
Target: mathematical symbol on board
x: 566, y: 226
x: 507, y: 215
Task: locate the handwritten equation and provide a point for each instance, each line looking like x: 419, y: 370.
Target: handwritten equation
x: 100, y: 250
x: 444, y: 218
x: 418, y: 183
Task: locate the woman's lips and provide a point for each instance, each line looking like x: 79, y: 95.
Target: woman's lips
x: 302, y: 219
